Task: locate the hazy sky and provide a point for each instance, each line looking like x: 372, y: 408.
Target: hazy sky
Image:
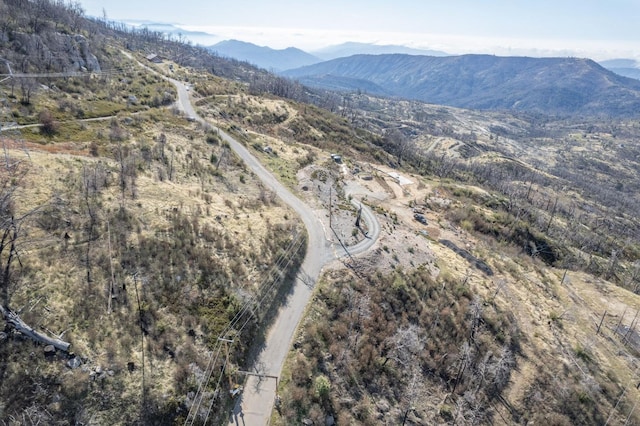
x: 595, y: 28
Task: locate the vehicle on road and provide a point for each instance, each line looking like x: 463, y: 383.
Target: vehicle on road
x: 420, y: 218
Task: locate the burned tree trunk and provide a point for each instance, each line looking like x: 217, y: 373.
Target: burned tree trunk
x: 16, y: 322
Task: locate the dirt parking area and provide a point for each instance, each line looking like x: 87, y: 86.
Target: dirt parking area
x: 396, y: 198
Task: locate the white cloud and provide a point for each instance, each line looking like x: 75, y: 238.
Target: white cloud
x: 312, y: 39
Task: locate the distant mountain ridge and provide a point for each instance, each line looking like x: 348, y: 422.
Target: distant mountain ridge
x: 625, y: 67
x: 280, y: 60
x: 264, y: 57
x: 564, y: 86
x: 353, y: 48
x: 170, y: 29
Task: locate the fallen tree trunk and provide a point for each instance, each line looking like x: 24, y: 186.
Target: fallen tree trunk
x: 16, y: 322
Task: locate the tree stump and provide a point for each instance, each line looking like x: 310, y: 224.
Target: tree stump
x: 49, y: 351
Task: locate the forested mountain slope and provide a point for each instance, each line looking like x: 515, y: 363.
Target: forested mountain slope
x: 563, y: 86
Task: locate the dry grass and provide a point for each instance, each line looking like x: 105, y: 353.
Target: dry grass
x: 54, y: 290
x: 557, y: 320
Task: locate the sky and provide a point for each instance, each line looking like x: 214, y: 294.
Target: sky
x: 599, y: 29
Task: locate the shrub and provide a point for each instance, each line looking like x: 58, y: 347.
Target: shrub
x: 322, y: 386
x: 48, y: 126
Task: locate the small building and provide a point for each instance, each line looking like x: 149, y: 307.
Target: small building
x: 154, y: 58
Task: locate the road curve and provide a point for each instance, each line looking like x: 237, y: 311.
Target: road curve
x: 256, y: 402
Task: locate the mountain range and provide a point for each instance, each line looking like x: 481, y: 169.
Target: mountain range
x: 625, y: 67
x: 354, y: 48
x: 264, y: 57
x: 292, y: 57
x: 563, y: 86
x: 284, y: 59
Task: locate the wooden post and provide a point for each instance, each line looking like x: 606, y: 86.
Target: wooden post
x: 621, y: 318
x: 600, y: 325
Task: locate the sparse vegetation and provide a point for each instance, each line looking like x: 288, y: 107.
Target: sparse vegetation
x: 400, y: 340
x: 117, y: 237
x: 137, y: 236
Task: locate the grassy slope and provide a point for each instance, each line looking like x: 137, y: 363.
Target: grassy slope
x: 561, y: 373
x: 178, y: 224
x: 564, y: 373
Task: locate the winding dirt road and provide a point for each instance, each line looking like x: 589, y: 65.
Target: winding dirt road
x: 256, y: 402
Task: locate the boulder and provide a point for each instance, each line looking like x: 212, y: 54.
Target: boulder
x: 74, y: 362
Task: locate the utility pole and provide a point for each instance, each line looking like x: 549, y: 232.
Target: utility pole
x: 112, y: 274
x: 135, y: 284
x: 330, y: 206
x: 227, y: 342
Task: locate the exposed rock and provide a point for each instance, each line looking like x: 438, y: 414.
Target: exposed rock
x: 74, y: 363
x: 347, y: 401
x: 383, y: 405
x: 330, y: 421
x: 77, y: 53
x: 90, y: 61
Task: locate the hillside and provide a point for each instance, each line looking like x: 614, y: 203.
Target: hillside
x: 531, y: 224
x: 130, y: 233
x: 503, y: 286
x: 264, y: 57
x: 562, y: 86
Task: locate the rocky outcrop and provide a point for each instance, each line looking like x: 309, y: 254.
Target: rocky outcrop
x: 86, y: 59
x: 50, y: 51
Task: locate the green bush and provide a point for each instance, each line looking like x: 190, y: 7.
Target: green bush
x: 322, y: 386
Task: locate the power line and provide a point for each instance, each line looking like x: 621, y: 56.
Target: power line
x: 58, y: 74
x: 243, y: 316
